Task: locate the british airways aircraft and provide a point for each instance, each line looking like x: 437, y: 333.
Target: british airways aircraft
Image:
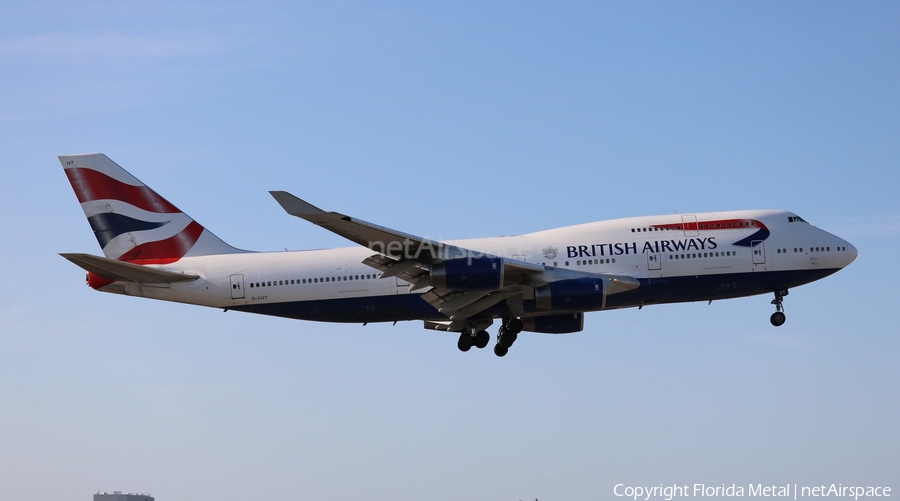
x: 540, y: 282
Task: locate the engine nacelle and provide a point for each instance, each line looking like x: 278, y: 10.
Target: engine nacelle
x: 468, y: 273
x: 554, y: 324
x: 579, y: 294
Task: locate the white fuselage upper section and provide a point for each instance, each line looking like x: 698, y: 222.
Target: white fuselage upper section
x: 643, y: 247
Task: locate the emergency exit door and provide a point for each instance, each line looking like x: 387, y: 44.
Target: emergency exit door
x: 759, y: 251
x: 237, y: 286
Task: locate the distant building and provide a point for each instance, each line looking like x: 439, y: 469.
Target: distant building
x: 120, y: 496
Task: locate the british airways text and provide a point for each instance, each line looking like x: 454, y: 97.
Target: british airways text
x: 620, y: 248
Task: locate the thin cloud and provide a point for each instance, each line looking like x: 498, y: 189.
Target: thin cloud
x: 108, y: 45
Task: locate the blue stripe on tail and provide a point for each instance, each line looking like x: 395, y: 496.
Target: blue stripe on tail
x: 109, y: 225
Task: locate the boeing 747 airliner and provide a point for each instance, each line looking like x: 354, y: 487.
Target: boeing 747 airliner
x: 540, y: 282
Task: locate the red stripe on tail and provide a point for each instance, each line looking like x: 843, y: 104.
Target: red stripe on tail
x: 165, y: 251
x: 90, y: 185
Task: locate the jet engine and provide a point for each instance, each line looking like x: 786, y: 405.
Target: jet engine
x: 579, y: 294
x: 469, y: 273
x: 554, y: 324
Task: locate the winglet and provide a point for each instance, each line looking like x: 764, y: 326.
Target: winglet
x: 294, y: 206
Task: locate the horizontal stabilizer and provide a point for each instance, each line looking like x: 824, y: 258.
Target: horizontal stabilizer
x: 111, y: 269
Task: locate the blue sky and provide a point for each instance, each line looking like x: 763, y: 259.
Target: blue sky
x: 451, y: 121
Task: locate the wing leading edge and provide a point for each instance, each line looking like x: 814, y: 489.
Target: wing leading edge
x: 413, y: 258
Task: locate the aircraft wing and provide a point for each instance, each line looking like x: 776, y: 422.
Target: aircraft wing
x: 398, y: 254
x: 112, y: 269
x: 410, y: 258
x: 392, y: 243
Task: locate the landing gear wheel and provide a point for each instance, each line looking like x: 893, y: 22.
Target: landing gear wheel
x: 481, y: 339
x: 500, y: 350
x: 465, y: 342
x: 777, y: 319
x: 515, y: 325
x: 507, y: 338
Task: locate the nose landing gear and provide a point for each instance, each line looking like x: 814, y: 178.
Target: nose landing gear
x: 778, y: 318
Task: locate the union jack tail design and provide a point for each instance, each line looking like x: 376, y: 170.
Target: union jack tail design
x: 131, y: 221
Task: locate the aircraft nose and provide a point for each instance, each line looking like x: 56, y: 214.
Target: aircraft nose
x: 851, y: 253
x: 848, y: 254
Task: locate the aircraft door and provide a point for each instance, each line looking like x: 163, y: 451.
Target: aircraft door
x: 759, y: 251
x: 237, y: 286
x: 653, y: 262
x: 690, y: 226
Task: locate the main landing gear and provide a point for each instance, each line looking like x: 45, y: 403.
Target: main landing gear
x: 470, y: 337
x: 507, y: 335
x: 778, y: 317
x: 474, y: 335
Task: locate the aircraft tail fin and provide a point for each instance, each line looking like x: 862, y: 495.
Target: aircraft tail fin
x: 132, y: 222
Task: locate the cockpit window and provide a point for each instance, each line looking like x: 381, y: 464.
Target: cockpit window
x: 796, y: 219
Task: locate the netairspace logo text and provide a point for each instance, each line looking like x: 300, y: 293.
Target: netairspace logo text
x: 787, y: 491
